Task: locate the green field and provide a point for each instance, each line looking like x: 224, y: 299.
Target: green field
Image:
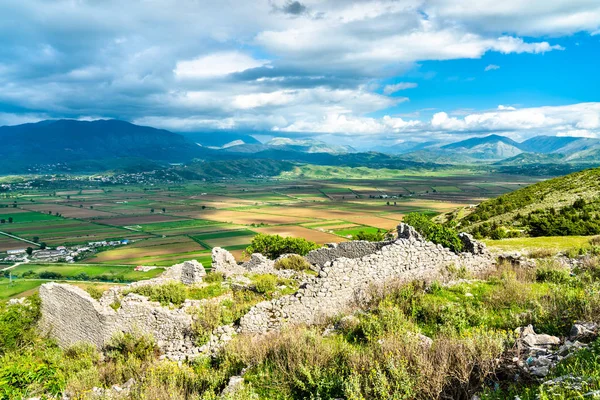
x: 124, y: 273
x: 556, y: 243
x: 309, y: 201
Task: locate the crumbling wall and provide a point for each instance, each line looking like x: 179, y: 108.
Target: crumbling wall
x: 344, y: 279
x: 71, y: 315
x: 353, y: 249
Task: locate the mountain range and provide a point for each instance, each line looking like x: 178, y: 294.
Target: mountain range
x: 107, y: 144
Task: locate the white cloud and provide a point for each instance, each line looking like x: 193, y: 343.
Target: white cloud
x: 491, y: 67
x: 390, y: 89
x: 216, y: 64
x: 506, y: 108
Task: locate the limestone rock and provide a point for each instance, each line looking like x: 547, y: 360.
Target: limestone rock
x: 224, y: 262
x: 408, y: 232
x: 192, y: 272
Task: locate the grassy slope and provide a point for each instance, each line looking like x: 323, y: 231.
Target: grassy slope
x: 557, y: 193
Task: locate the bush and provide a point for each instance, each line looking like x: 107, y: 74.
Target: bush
x: 214, y: 277
x: 293, y: 262
x: 549, y: 273
x: 206, y: 319
x: 18, y: 323
x: 273, y: 246
x: 265, y: 283
x: 95, y: 292
x: 124, y: 345
x: 50, y: 275
x: 169, y: 293
x: 378, y: 236
x: 433, y: 232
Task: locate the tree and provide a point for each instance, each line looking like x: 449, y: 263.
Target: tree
x: 36, y: 239
x: 152, y: 210
x: 164, y: 210
x: 272, y: 246
x: 29, y: 251
x: 43, y: 246
x: 3, y: 221
x: 68, y: 197
x: 203, y: 207
x: 10, y: 220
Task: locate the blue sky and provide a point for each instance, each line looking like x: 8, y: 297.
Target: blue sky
x: 363, y: 72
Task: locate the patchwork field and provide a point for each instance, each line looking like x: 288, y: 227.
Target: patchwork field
x: 189, y: 219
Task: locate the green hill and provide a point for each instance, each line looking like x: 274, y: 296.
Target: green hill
x: 568, y: 205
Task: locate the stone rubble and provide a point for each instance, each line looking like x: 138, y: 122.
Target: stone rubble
x: 538, y: 354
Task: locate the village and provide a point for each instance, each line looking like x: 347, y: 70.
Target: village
x: 62, y: 254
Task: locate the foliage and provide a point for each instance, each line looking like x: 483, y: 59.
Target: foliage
x: 273, y: 246
x: 436, y: 233
x: 17, y: 324
x: 293, y: 262
x: 265, y: 284
x: 378, y: 236
x: 169, y: 293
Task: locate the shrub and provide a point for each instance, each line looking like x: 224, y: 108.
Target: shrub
x: 595, y: 241
x: 124, y: 345
x: 214, y: 277
x: 50, y: 275
x: 550, y: 273
x: 273, y: 246
x: 378, y: 236
x: 433, y: 232
x: 168, y: 293
x: 541, y: 253
x: 94, y: 291
x: 293, y: 262
x: 18, y: 323
x: 206, y: 319
x: 265, y: 284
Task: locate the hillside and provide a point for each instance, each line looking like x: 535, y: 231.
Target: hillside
x: 69, y: 141
x: 568, y: 205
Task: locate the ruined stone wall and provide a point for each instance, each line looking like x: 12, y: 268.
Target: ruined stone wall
x: 71, y: 315
x: 340, y: 281
x: 354, y: 249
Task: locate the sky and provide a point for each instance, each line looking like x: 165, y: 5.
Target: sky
x: 356, y: 72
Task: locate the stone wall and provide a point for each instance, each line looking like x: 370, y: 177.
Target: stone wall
x: 71, y: 315
x: 342, y: 280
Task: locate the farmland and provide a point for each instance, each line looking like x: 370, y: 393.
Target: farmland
x: 167, y: 224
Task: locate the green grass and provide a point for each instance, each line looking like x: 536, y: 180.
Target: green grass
x: 557, y: 243
x: 19, y: 218
x: 75, y: 271
x: 8, y: 290
x: 223, y: 235
x: 176, y: 225
x: 354, y: 231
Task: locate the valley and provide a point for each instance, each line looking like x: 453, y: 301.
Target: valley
x: 168, y: 223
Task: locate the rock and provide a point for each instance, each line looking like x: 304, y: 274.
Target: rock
x: 531, y: 339
x: 236, y: 383
x: 540, y: 371
x: 224, y: 262
x: 192, y: 272
x: 470, y: 245
x: 583, y: 332
x: 408, y: 232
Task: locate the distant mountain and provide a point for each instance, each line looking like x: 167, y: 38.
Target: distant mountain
x: 547, y: 144
x: 308, y: 146
x: 475, y: 142
x: 219, y: 139
x: 406, y: 147
x: 474, y: 150
x: 70, y: 141
x: 532, y: 158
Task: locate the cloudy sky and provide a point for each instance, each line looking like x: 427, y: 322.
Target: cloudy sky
x: 359, y: 72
